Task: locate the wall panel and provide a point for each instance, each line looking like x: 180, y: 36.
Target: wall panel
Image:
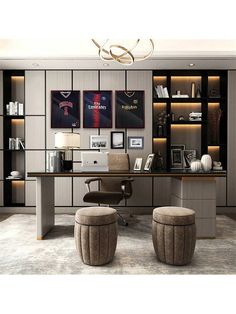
x: 1, y: 193
x: 55, y: 80
x: 231, y: 177
x: 141, y: 80
x: 35, y: 161
x: 35, y: 132
x: 1, y: 165
x: 1, y: 92
x: 162, y: 191
x: 35, y: 92
x: 63, y: 192
x: 85, y: 80
x: 112, y: 80
x: 220, y: 191
x: 1, y: 132
x: 30, y: 193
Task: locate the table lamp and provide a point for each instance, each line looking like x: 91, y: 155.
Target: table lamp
x: 67, y: 141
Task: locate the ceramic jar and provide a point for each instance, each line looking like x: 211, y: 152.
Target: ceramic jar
x: 196, y: 165
x: 206, y: 162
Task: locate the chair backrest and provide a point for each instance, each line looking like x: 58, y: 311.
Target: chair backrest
x: 117, y: 162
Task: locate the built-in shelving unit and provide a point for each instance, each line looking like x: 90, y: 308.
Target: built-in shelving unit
x: 203, y: 92
x: 13, y: 127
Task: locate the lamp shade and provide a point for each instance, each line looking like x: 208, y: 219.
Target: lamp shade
x: 67, y: 140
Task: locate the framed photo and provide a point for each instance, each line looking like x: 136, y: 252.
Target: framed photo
x: 65, y: 109
x: 176, y: 158
x: 189, y: 156
x: 97, y: 111
x: 117, y: 140
x: 178, y: 146
x: 98, y: 142
x: 138, y: 164
x: 135, y: 142
x: 149, y: 162
x: 130, y: 109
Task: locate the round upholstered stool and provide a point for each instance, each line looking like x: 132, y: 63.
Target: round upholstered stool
x: 174, y: 234
x: 96, y: 234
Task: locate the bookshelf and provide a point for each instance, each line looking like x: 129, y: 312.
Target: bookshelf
x: 14, y: 134
x: 190, y: 91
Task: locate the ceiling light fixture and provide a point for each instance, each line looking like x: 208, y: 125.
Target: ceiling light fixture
x: 110, y: 51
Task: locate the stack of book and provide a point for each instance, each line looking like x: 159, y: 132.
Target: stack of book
x: 180, y: 96
x: 15, y: 109
x: 162, y: 92
x: 195, y: 116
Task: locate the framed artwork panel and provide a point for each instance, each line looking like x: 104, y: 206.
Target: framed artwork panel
x: 65, y: 109
x: 97, y: 111
x: 130, y: 109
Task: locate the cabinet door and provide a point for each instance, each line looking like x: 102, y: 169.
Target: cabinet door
x: 231, y: 167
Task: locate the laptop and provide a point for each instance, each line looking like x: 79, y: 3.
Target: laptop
x: 94, y: 161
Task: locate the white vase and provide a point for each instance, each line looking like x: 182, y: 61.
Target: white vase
x: 196, y: 165
x: 206, y: 162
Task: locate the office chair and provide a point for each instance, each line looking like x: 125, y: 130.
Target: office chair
x: 112, y: 190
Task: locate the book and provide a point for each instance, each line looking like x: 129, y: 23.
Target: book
x: 22, y: 144
x: 20, y: 109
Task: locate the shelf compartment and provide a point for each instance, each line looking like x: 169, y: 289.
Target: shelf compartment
x: 184, y: 109
x: 214, y: 152
x: 214, y: 121
x: 159, y: 80
x: 159, y: 120
x: 213, y: 87
x: 188, y: 135
x: 14, y: 191
x: 160, y: 146
x: 184, y: 84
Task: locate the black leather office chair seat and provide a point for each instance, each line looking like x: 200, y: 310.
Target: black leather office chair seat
x: 100, y: 197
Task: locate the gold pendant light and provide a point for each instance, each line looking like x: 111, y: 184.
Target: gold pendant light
x: 108, y: 51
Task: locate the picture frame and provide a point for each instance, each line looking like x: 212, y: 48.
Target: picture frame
x: 178, y: 146
x: 149, y: 162
x: 130, y: 109
x: 97, y: 109
x: 138, y: 164
x: 188, y: 156
x: 65, y: 109
x: 98, y: 141
x: 176, y: 158
x: 117, y: 140
x: 135, y: 142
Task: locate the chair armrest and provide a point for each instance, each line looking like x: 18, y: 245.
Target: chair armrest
x: 124, y: 183
x: 128, y: 180
x: 88, y: 181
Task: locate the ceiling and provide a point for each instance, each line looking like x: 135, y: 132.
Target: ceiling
x: 83, y: 54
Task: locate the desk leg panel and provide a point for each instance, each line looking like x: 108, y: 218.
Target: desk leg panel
x: 45, y: 211
x: 198, y: 194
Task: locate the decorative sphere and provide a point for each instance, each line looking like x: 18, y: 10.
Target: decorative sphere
x: 196, y: 165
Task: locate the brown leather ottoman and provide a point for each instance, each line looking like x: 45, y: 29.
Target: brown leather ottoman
x: 174, y: 234
x: 96, y: 234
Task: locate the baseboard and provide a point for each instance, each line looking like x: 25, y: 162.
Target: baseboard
x: 225, y: 210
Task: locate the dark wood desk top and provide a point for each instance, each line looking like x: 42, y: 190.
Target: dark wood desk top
x: 161, y: 173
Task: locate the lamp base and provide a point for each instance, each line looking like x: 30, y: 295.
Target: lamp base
x: 67, y: 165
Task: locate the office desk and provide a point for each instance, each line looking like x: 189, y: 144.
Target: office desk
x: 188, y: 189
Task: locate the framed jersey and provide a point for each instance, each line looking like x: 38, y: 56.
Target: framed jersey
x: 97, y: 111
x: 65, y: 109
x: 130, y: 109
